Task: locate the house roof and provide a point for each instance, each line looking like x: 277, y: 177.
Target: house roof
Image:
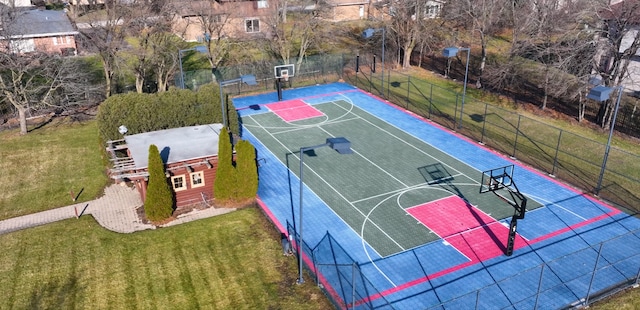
x: 40, y: 23
x: 175, y: 145
x: 626, y: 9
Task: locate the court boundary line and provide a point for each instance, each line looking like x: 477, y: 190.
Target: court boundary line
x: 599, y: 204
x: 496, y: 153
x: 406, y: 142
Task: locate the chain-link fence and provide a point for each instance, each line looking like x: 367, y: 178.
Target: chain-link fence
x: 575, y: 159
x: 557, y: 152
x: 318, y: 69
x: 596, y: 272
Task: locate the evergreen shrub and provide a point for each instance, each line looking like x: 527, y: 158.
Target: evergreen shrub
x: 159, y: 202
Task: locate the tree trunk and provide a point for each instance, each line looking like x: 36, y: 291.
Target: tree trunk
x: 483, y: 59
x: 139, y: 83
x: 22, y: 117
x: 546, y: 89
x: 406, y: 57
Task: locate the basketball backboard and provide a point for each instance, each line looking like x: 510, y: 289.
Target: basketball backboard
x: 496, y: 179
x: 284, y: 71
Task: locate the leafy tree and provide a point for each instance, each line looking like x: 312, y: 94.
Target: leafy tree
x: 225, y: 184
x: 158, y: 204
x: 246, y: 170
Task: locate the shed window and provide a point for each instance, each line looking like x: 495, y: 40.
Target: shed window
x: 197, y: 179
x: 178, y: 183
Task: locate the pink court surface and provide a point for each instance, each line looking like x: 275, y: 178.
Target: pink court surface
x: 469, y: 230
x: 293, y: 110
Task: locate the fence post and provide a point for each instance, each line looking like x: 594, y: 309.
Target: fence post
x: 555, y: 157
x: 515, y: 144
x: 353, y: 285
x: 430, y: 100
x: 455, y: 114
x: 535, y: 306
x: 484, y: 122
x: 388, y: 84
x: 408, y: 86
x: 593, y: 275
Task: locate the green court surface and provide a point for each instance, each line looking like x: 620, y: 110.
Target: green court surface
x: 389, y: 172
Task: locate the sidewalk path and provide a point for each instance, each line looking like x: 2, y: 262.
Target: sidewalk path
x: 116, y: 211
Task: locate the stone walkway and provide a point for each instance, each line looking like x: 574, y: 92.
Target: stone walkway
x: 116, y: 211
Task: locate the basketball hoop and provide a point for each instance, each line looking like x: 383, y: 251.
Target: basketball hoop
x: 285, y: 76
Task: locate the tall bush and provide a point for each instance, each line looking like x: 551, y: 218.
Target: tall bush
x: 158, y: 204
x: 225, y: 184
x: 247, y: 170
x: 149, y: 112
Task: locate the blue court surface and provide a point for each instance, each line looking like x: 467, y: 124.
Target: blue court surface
x: 400, y: 223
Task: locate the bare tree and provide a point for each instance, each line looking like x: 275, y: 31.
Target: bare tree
x: 292, y: 37
x: 147, y: 30
x: 34, y: 81
x: 557, y: 39
x: 104, y: 34
x: 406, y: 25
x: 618, y: 44
x: 164, y: 60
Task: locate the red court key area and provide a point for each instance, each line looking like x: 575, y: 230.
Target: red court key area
x: 293, y: 110
x: 472, y: 232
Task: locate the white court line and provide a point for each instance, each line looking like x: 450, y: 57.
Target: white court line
x: 407, y: 143
x: 550, y: 204
x: 334, y: 189
x: 425, y: 185
x: 371, y: 162
x: 294, y: 128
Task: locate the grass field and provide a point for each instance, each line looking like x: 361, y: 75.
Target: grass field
x: 42, y: 168
x: 232, y: 261
x: 227, y: 262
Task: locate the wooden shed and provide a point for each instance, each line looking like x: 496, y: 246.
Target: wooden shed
x: 190, y: 155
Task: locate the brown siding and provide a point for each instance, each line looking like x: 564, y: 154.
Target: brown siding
x: 54, y: 45
x: 190, y: 195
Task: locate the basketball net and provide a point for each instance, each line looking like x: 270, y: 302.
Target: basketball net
x: 285, y: 76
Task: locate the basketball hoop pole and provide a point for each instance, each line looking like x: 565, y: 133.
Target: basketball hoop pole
x: 281, y: 72
x: 279, y: 87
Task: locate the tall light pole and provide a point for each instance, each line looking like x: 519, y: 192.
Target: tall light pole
x: 602, y: 93
x: 199, y: 49
x: 340, y: 145
x: 368, y: 33
x: 248, y: 79
x: 452, y: 52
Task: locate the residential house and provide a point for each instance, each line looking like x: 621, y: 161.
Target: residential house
x: 626, y: 13
x: 237, y: 19
x: 190, y: 155
x: 16, y: 3
x: 33, y: 30
x: 343, y: 10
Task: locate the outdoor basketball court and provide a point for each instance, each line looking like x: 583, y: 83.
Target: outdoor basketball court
x: 406, y: 206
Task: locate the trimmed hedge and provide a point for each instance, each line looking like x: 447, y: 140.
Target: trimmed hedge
x: 159, y: 202
x: 247, y: 170
x: 235, y: 181
x: 225, y: 183
x: 171, y: 109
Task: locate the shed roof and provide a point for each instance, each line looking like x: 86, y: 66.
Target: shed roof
x: 176, y: 144
x: 40, y: 23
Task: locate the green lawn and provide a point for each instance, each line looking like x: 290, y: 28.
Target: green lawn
x: 233, y: 261
x: 42, y: 168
